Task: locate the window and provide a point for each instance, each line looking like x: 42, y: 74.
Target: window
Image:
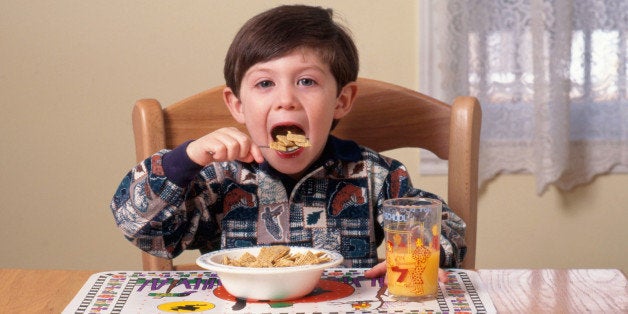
x: 551, y: 78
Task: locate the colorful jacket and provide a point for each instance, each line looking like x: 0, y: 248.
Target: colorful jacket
x: 167, y: 204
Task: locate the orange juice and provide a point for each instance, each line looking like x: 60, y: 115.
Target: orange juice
x: 412, y: 273
x: 412, y: 232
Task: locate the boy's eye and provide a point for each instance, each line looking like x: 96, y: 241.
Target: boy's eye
x: 306, y: 82
x: 265, y: 84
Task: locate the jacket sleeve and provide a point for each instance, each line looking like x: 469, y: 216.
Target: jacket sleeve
x: 452, y: 243
x: 158, y: 214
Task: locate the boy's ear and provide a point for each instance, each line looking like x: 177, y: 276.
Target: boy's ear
x: 345, y: 100
x: 234, y: 104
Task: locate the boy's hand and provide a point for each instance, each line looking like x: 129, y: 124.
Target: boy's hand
x: 380, y: 270
x: 226, y: 144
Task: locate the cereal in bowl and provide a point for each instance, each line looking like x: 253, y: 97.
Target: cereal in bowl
x: 276, y: 256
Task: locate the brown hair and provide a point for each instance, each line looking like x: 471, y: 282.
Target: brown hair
x: 278, y: 31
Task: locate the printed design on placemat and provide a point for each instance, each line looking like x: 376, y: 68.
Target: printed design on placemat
x: 326, y: 290
x: 375, y: 300
x: 91, y: 295
x: 473, y: 293
x: 126, y: 293
x: 340, y: 290
x: 461, y: 293
x: 169, y: 293
x: 186, y: 306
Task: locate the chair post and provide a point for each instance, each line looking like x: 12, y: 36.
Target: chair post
x: 463, y: 163
x: 150, y: 136
x: 148, y: 128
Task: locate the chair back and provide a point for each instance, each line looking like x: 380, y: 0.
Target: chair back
x: 384, y: 116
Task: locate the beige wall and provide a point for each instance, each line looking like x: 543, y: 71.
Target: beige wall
x: 71, y: 70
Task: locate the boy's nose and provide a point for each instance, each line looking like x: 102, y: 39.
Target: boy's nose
x: 286, y: 99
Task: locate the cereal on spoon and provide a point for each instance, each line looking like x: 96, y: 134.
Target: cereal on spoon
x: 289, y: 142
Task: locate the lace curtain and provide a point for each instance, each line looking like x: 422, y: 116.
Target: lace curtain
x: 551, y: 78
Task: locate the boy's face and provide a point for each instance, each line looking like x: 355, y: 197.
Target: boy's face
x: 295, y: 92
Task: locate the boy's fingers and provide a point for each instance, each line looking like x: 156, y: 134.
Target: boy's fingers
x: 224, y: 145
x: 377, y: 271
x: 380, y: 270
x: 256, y: 153
x: 442, y: 275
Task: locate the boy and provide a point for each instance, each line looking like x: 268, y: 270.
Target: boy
x: 289, y: 69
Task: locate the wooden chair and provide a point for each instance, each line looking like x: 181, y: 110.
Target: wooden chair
x: 384, y: 117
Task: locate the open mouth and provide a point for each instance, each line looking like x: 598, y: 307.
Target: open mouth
x: 284, y: 129
x: 288, y: 138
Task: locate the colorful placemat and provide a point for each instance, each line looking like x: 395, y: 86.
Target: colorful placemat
x: 339, y: 291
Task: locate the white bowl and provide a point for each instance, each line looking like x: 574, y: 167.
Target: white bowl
x: 272, y: 284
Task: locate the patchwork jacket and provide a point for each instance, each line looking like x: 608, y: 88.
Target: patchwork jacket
x: 167, y: 204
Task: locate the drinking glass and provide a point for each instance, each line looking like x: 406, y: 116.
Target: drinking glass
x: 412, y: 231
